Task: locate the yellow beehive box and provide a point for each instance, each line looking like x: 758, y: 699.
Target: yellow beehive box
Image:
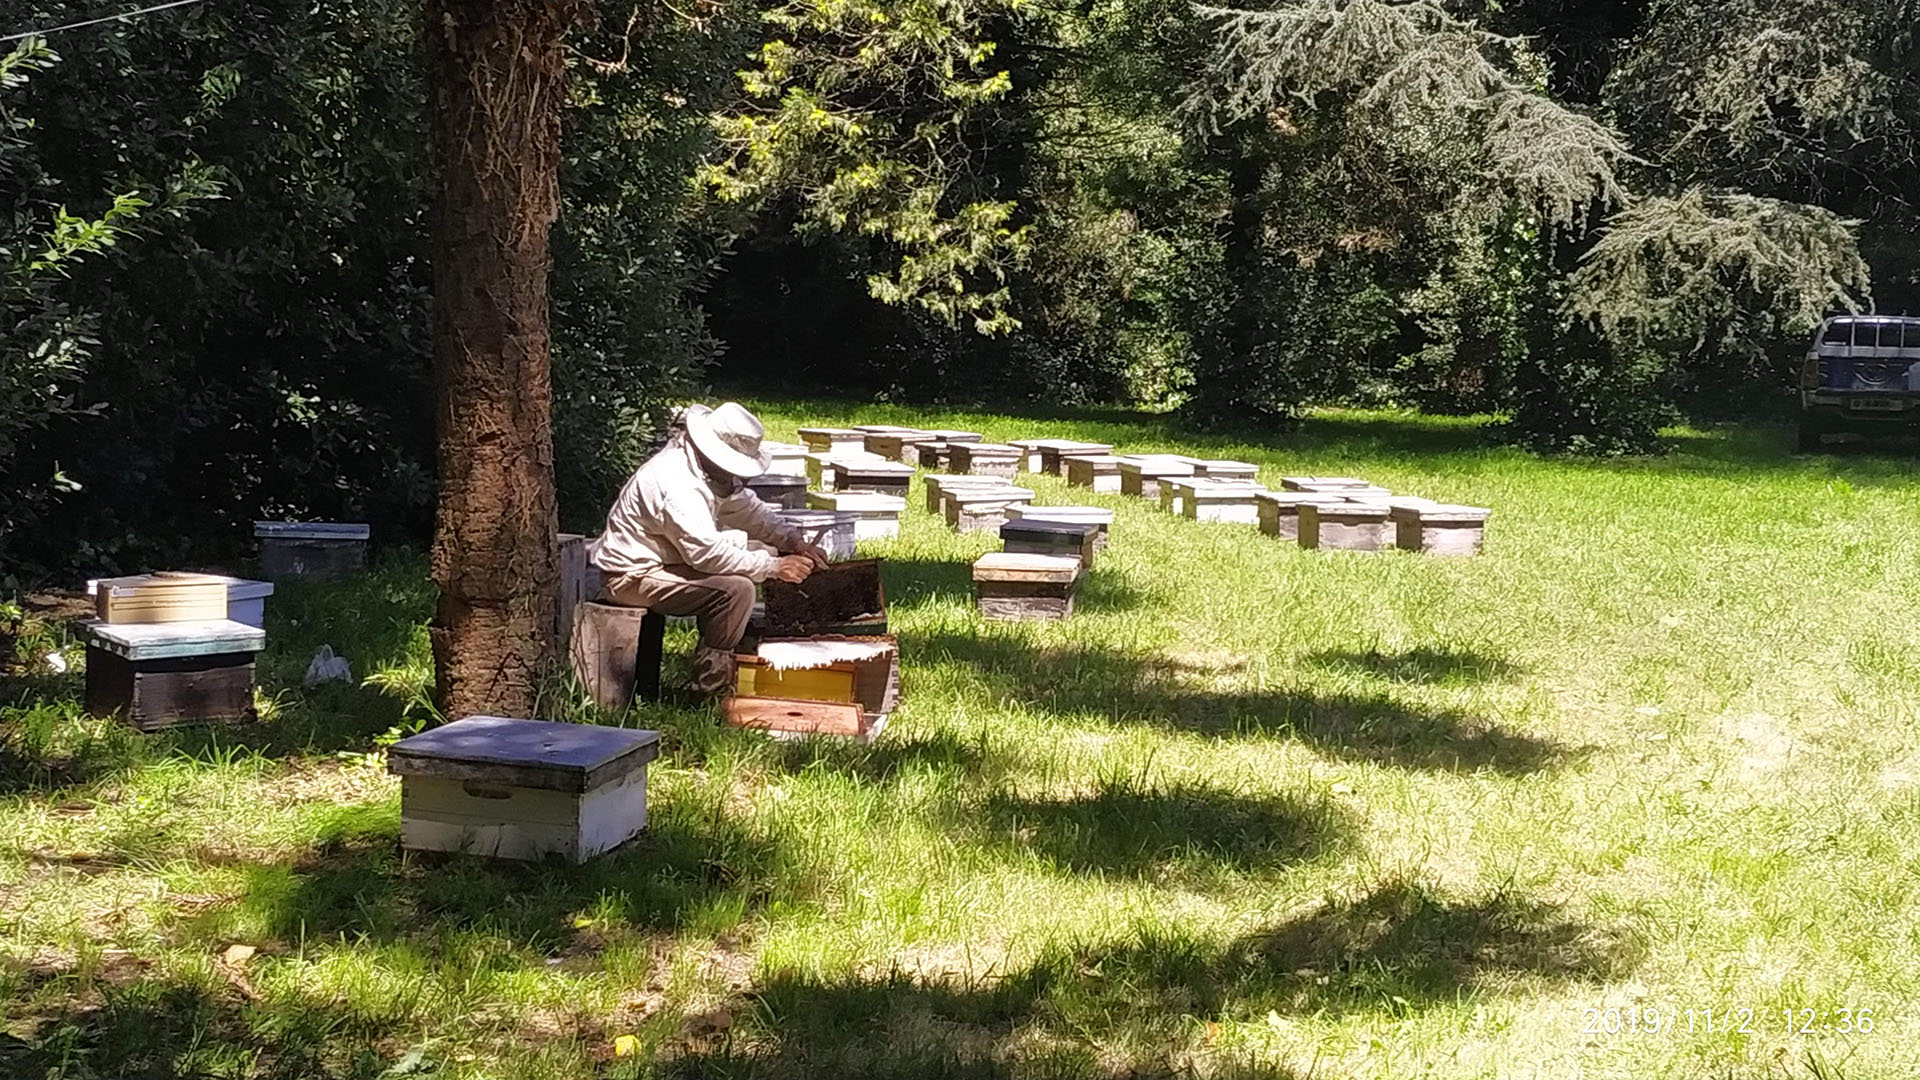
x: 166, y: 596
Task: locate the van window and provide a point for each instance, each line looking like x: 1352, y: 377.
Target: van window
x: 1866, y: 335
x: 1890, y: 335
x: 1839, y: 332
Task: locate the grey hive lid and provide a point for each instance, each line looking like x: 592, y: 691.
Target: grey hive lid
x: 311, y: 530
x: 525, y: 753
x: 1026, y: 528
x: 169, y: 640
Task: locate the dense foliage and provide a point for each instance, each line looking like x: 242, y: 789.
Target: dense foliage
x: 1585, y: 218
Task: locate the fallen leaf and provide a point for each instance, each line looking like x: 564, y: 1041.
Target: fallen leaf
x: 625, y: 1045
x: 1213, y: 1030
x: 238, y: 955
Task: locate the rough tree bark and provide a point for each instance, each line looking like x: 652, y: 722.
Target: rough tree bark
x: 497, y: 78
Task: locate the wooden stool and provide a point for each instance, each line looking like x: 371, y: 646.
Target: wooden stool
x: 616, y: 653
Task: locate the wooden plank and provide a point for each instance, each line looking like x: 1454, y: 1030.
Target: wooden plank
x: 793, y: 716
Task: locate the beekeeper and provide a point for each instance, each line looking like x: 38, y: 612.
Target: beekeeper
x: 663, y: 549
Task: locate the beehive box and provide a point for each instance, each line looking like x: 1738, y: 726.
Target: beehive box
x: 1321, y: 483
x: 951, y: 435
x: 1220, y: 469
x: 937, y: 485
x: 1095, y: 515
x: 157, y: 675
x: 1031, y: 450
x: 875, y: 516
x: 166, y: 596
x: 785, y: 459
x: 933, y: 454
x: 834, y: 532
x: 1176, y: 494
x: 811, y: 700
x: 984, y: 459
x: 311, y: 549
x: 1101, y: 472
x: 780, y: 492
x: 579, y: 579
x: 1141, y: 474
x: 980, y: 509
x: 1346, y: 526
x: 871, y: 474
x: 844, y: 599
x: 1229, y: 501
x: 1054, y: 457
x: 1013, y: 586
x: 522, y: 789
x: 897, y: 445
x: 820, y: 466
x: 1439, y: 528
x: 1280, y: 510
x: 1039, y: 536
x: 246, y: 600
x: 833, y: 440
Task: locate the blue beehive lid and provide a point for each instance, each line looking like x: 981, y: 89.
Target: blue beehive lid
x: 170, y: 640
x: 525, y: 753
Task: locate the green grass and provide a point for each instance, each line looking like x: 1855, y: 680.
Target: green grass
x: 1253, y: 811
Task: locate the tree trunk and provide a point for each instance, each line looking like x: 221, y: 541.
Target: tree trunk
x: 497, y: 77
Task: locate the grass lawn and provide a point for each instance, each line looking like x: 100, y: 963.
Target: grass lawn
x: 1650, y: 762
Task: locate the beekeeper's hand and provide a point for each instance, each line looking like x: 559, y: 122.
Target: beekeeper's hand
x: 794, y: 568
x: 816, y: 553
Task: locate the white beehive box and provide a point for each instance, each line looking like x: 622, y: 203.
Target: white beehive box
x: 522, y: 789
x: 875, y: 516
x: 246, y: 600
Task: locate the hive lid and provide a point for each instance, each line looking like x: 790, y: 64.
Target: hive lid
x: 987, y: 493
x: 1082, y: 449
x: 1036, y: 444
x: 1314, y: 483
x: 856, y: 501
x: 1299, y: 498
x: 775, y: 480
x: 877, y: 465
x: 525, y: 753
x: 1156, y: 465
x: 882, y: 429
x: 829, y: 432
x: 1455, y: 513
x: 1225, y: 491
x: 310, y: 530
x: 165, y: 641
x: 1096, y: 514
x: 1010, y: 566
x: 945, y: 435
x: 1226, y: 467
x: 987, y: 449
x: 815, y: 519
x: 1351, y: 508
x: 237, y: 588
x: 1026, y: 528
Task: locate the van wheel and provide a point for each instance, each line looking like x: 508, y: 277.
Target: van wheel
x: 1809, y: 441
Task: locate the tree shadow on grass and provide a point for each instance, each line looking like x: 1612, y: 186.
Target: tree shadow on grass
x: 1137, y: 832
x: 1140, y: 1006
x: 1423, y: 664
x: 891, y: 757
x: 1149, y: 689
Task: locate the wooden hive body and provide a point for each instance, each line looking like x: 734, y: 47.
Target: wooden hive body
x: 310, y: 549
x: 1440, y: 529
x: 984, y: 459
x: 158, y: 675
x: 779, y: 491
x: 1031, y: 459
x: 522, y: 789
x: 785, y: 459
x: 166, y: 596
x: 875, y: 516
x: 938, y: 485
x: 832, y: 440
x: 1225, y: 470
x: 816, y: 700
x: 980, y: 509
x: 1141, y: 475
x: 846, y: 599
x: 934, y: 454
x: 1101, y: 472
x: 1016, y: 586
x: 1229, y: 501
x: 1280, y: 510
x: 1096, y: 515
x: 897, y: 445
x: 1039, y: 536
x: 871, y: 474
x: 1054, y: 456
x: 1346, y: 526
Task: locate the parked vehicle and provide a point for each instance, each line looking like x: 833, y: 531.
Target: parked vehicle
x: 1861, y: 378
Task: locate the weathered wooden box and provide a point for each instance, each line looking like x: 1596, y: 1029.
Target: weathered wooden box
x: 1440, y: 529
x: 983, y: 459
x: 785, y: 459
x: 1346, y: 526
x: 1230, y: 501
x: 579, y: 579
x: 1220, y: 469
x: 980, y: 509
x: 1177, y: 495
x: 951, y: 435
x: 897, y: 445
x: 157, y: 675
x: 846, y: 598
x: 1280, y: 510
x: 1014, y: 586
x: 875, y: 516
x: 311, y: 549
x: 780, y: 491
x: 933, y: 454
x: 836, y: 533
x: 820, y: 466
x: 1101, y: 472
x: 1141, y: 474
x: 165, y: 596
x: 1032, y: 457
x: 1038, y: 536
x: 833, y: 440
x: 1094, y: 515
x: 1054, y: 457
x: 938, y: 485
x: 815, y: 700
x: 871, y: 474
x: 522, y: 789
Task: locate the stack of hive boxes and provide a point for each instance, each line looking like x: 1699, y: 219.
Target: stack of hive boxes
x: 163, y: 651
